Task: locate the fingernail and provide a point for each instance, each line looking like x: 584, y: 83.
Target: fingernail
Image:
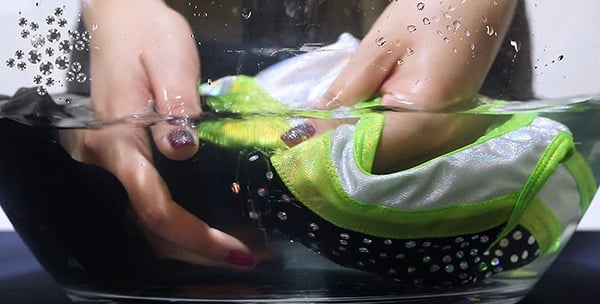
x: 180, y: 138
x: 240, y: 258
x: 298, y: 134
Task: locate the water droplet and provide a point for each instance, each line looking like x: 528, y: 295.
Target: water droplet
x: 21, y: 65
x: 345, y: 236
x: 34, y: 57
x: 11, y: 62
x: 50, y: 20
x: 387, y: 242
x: 62, y: 22
x: 262, y: 192
x: 410, y: 52
x: 62, y: 62
x: 70, y: 76
x: 81, y: 77
x: 363, y: 250
x: 80, y: 45
x: 464, y: 265
x: 246, y: 13
x: 235, y: 187
x: 50, y: 51
x: 25, y: 33
x: 50, y: 82
x: 94, y: 27
x: 400, y: 62
x: 514, y: 258
x: 449, y: 268
x: 531, y: 240
x: 53, y: 35
x: 434, y: 268
x: 489, y: 30
x: 313, y: 226
x: 561, y: 57
x: 269, y: 175
x: 76, y: 66
x: 282, y: 215
x: 410, y: 244
x: 467, y: 33
x: 420, y: 6
x: 456, y: 25
x: 411, y: 28
x: 367, y: 241
x: 23, y: 22
x: 446, y: 40
x: 46, y: 68
x: 65, y: 46
x: 37, y: 79
x: 58, y: 11
x: 41, y: 91
x: 86, y: 36
x: 447, y: 259
x: 34, y: 26
x: 380, y: 41
x: 38, y: 41
x: 426, y: 21
x: 504, y: 243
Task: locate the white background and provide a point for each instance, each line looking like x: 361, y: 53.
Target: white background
x: 570, y: 25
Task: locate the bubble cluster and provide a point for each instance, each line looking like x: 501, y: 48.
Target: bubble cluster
x: 49, y: 46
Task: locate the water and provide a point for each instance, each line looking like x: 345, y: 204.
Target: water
x: 77, y: 221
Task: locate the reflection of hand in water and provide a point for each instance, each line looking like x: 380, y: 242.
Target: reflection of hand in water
x: 422, y: 56
x: 145, y: 60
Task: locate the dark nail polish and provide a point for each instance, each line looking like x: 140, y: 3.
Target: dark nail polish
x: 240, y: 258
x: 298, y: 134
x: 180, y: 138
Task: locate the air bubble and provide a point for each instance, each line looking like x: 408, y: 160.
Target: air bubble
x: 21, y: 66
x: 34, y: 57
x: 80, y: 45
x: 86, y: 36
x: 75, y: 35
x: 561, y: 57
x: 50, y: 52
x: 70, y: 76
x: 50, y: 82
x: 19, y: 54
x: 58, y: 11
x: 23, y: 22
x: 62, y: 22
x: 41, y: 91
x: 34, y: 26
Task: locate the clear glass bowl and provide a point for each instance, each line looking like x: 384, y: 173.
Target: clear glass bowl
x: 77, y: 220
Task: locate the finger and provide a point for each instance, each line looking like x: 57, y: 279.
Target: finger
x: 174, y: 71
x: 158, y: 213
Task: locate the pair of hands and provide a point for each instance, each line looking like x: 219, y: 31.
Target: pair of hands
x: 419, y: 54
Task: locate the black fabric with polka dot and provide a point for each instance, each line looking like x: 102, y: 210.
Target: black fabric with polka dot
x: 456, y: 260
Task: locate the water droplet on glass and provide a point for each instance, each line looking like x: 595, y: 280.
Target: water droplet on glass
x: 34, y: 26
x: 282, y: 215
x: 19, y: 54
x: 38, y: 41
x: 50, y: 51
x: 80, y: 45
x: 50, y: 20
x: 25, y: 33
x: 11, y: 62
x: 58, y: 11
x: 426, y: 21
x: 53, y: 35
x: 41, y: 91
x: 62, y: 22
x: 70, y: 76
x: 21, y: 66
x: 420, y: 6
x: 46, y: 68
x: 50, y: 82
x: 94, y: 27
x: 81, y: 77
x: 86, y: 36
x: 62, y: 62
x: 314, y: 226
x: 467, y: 33
x: 34, y: 57
x: 411, y: 28
x: 76, y: 66
x: 456, y: 25
x: 246, y: 13
x: 37, y: 79
x: 23, y: 22
x: 400, y: 62
x: 489, y: 30
x: 65, y: 46
x: 380, y: 41
x: 446, y: 40
x: 410, y: 52
x: 516, y: 45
